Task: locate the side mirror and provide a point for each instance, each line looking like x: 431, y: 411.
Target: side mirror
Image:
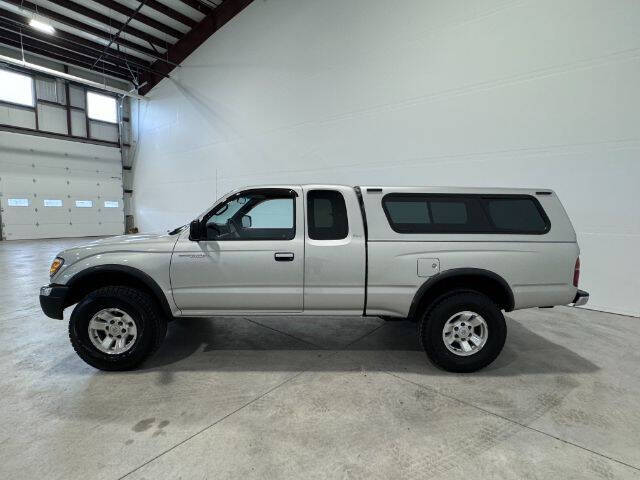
x: 195, y: 231
x: 246, y: 221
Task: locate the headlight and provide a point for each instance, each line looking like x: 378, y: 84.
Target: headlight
x: 55, y: 266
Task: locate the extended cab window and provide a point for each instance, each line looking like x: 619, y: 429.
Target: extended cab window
x: 253, y: 216
x: 444, y: 213
x: 326, y: 215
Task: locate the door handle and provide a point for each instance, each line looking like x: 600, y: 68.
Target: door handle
x: 283, y: 256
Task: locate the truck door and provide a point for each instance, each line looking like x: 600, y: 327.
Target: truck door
x: 334, y: 271
x: 251, y: 259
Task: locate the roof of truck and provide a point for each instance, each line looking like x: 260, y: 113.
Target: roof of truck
x: 411, y: 188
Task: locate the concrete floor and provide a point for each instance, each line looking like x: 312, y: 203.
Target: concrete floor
x: 313, y: 398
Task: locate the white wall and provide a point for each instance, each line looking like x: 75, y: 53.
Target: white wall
x: 541, y: 93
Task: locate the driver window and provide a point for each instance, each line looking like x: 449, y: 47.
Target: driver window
x: 253, y: 217
x: 223, y: 214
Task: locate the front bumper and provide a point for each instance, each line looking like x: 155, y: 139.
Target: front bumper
x: 52, y: 300
x: 581, y: 298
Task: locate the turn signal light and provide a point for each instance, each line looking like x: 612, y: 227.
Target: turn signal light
x: 55, y: 266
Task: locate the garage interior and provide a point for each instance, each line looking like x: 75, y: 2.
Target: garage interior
x: 126, y: 116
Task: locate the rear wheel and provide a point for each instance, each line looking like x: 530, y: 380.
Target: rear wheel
x: 463, y: 331
x: 116, y: 328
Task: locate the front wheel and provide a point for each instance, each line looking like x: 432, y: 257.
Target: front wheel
x: 116, y: 328
x: 463, y: 332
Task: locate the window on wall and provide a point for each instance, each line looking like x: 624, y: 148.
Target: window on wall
x: 18, y: 202
x: 16, y: 88
x: 102, y: 107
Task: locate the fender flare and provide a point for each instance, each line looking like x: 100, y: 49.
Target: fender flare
x: 143, y: 277
x: 459, y: 272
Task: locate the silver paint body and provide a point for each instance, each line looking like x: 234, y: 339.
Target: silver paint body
x: 327, y: 277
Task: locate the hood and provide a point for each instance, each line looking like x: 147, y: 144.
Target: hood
x: 149, y: 243
x: 129, y: 240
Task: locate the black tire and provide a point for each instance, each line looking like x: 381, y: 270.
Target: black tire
x: 432, y: 322
x: 150, y: 324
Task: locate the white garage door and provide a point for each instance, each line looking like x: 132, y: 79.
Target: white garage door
x: 53, y: 188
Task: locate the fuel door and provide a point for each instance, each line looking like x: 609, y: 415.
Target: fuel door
x: 427, y: 267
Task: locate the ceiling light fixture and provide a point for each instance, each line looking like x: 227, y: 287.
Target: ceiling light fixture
x: 43, y: 27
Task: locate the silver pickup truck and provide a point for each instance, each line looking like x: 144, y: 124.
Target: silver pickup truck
x: 449, y: 259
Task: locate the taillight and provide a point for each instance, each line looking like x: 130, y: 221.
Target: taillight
x: 576, y: 272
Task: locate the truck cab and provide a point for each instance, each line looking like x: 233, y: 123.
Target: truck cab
x: 274, y: 250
